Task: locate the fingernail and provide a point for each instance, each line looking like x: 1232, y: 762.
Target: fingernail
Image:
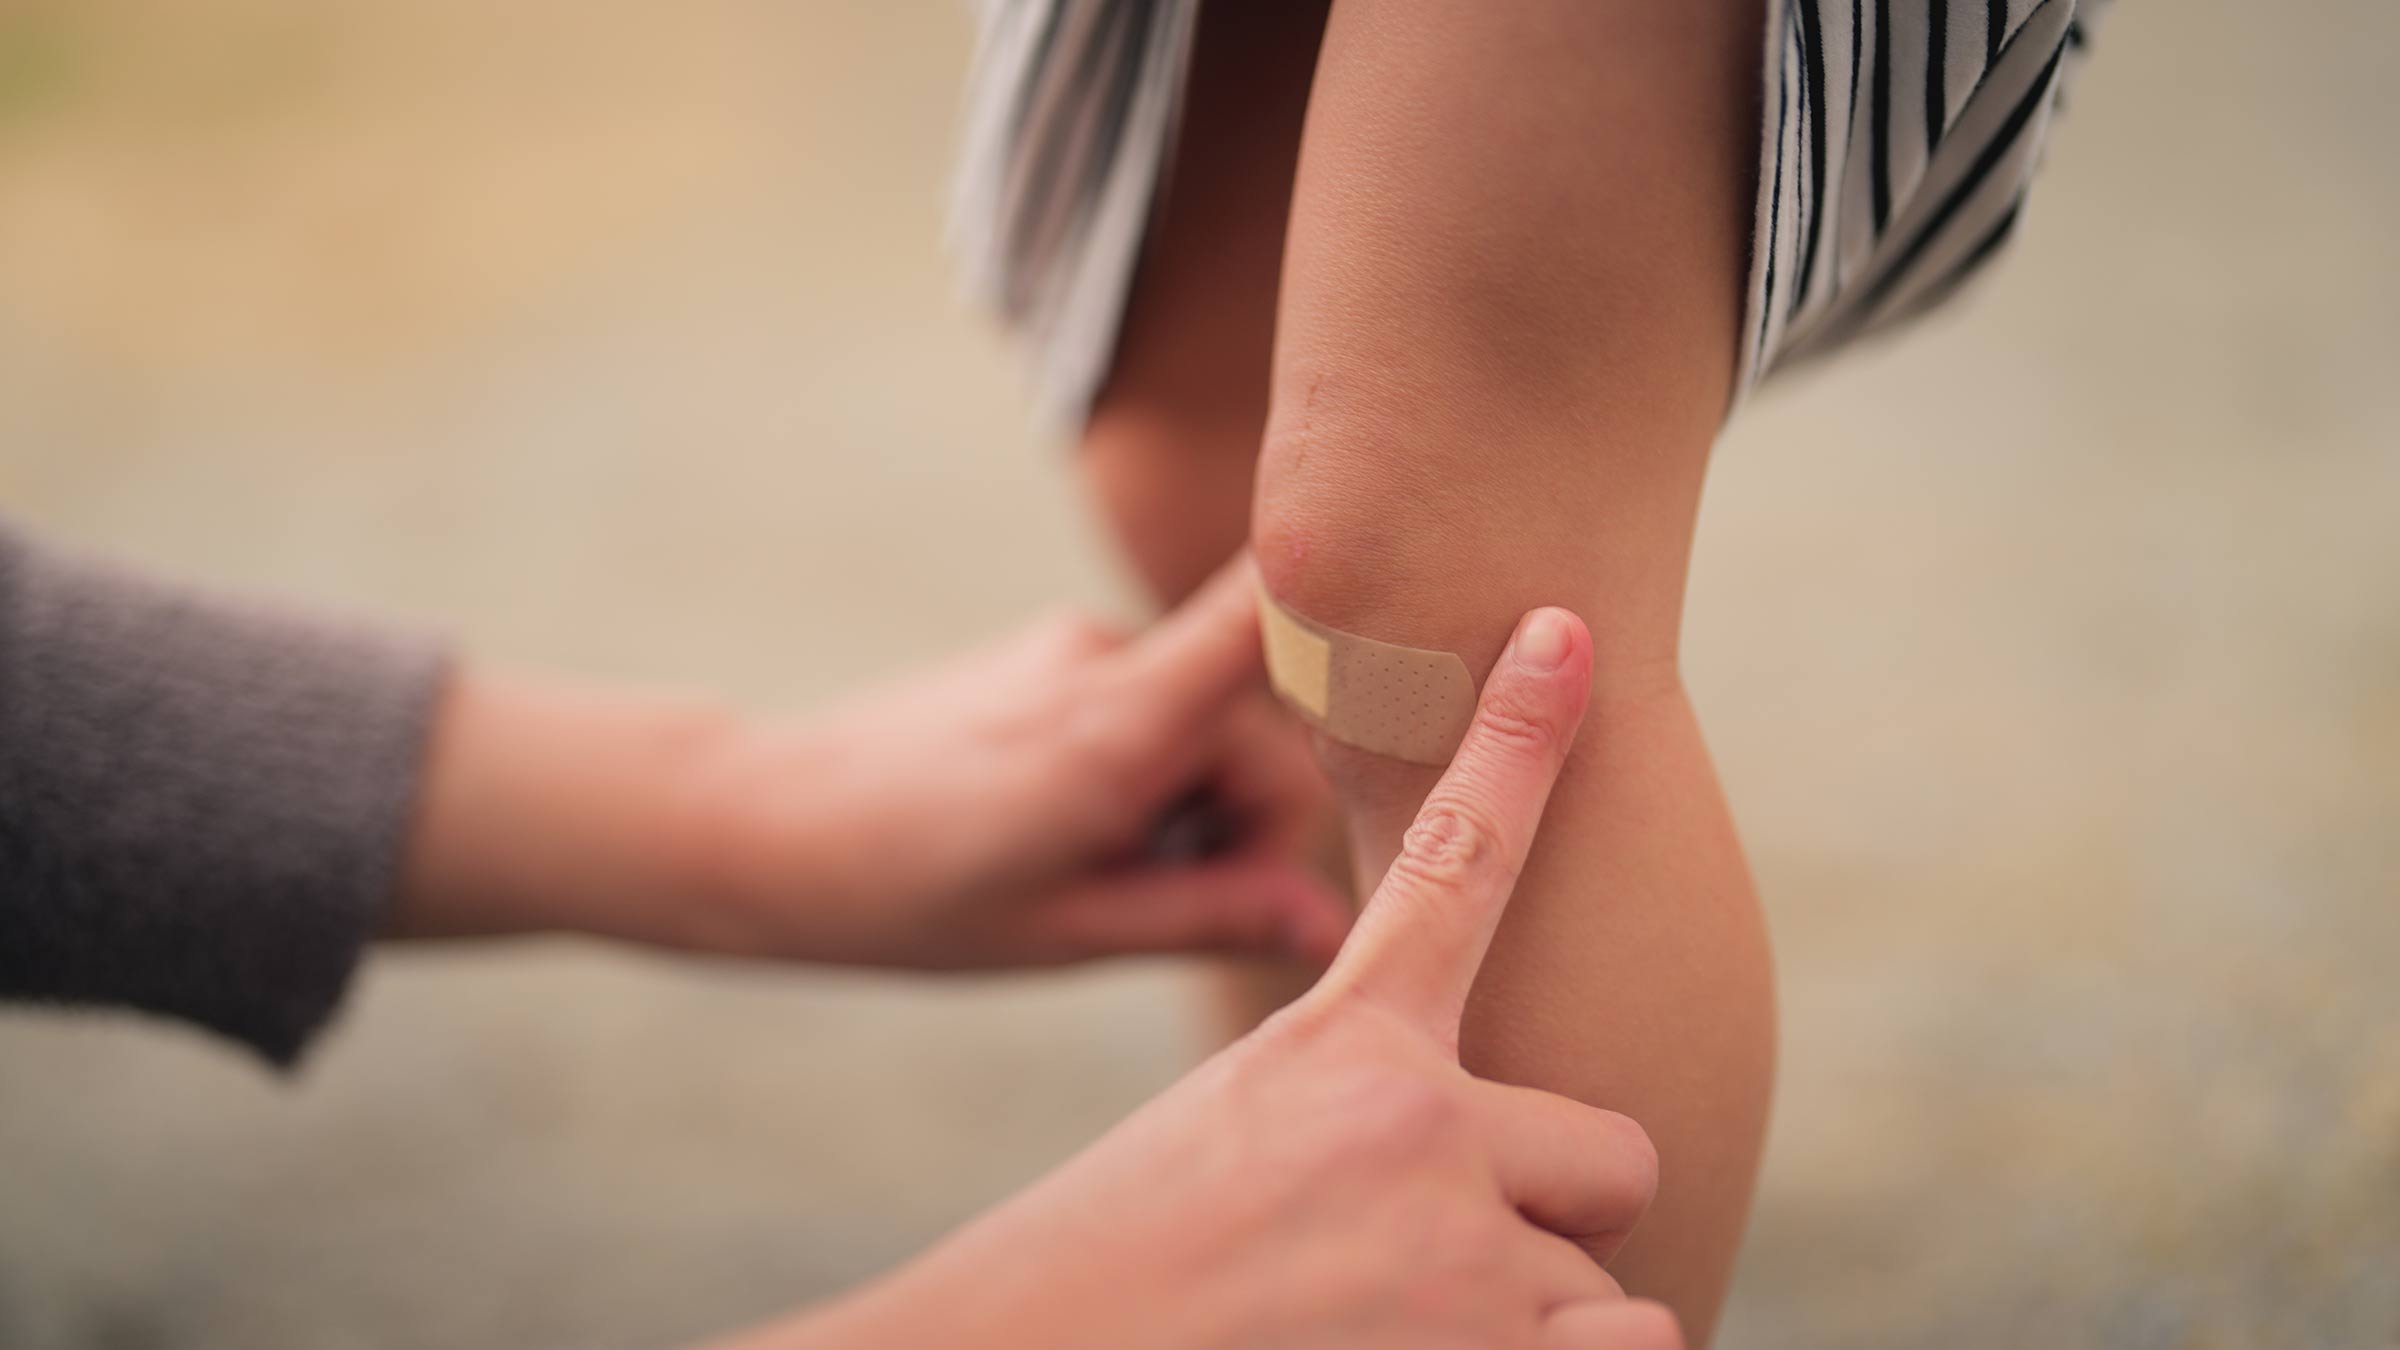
x: 1542, y: 643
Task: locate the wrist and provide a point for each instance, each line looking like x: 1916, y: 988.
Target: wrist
x: 746, y: 821
x: 552, y: 807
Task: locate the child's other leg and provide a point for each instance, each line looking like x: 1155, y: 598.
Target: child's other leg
x: 1507, y: 334
x: 1172, y: 445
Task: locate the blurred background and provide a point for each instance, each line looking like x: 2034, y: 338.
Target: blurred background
x: 2051, y: 654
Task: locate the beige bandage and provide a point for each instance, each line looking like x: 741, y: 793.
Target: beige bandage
x: 1404, y: 702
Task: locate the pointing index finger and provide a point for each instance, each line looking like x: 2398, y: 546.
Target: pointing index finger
x: 1422, y: 937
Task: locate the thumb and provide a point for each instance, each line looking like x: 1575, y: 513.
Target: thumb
x: 1423, y: 935
x: 1197, y: 659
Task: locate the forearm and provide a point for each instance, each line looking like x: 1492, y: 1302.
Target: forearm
x: 554, y: 807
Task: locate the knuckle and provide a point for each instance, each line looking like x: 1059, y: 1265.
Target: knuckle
x: 1452, y: 844
x: 1302, y: 1024
x: 1103, y: 732
x: 1515, y: 723
x: 1091, y: 737
x: 1103, y: 760
x: 1346, y: 1027
x: 1403, y: 1113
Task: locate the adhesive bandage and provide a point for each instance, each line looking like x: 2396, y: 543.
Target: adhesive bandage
x: 1386, y: 699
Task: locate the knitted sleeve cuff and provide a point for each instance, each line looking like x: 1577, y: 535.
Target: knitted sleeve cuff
x: 203, y: 801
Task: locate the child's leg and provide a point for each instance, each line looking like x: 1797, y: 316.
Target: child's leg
x: 1506, y: 338
x: 1172, y: 446
x: 1634, y: 970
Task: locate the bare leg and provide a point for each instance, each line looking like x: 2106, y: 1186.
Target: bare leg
x: 1172, y: 444
x: 1509, y: 307
x: 1537, y: 295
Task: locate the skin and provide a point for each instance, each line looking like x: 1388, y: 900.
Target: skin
x: 992, y: 813
x: 1335, y: 1179
x: 1170, y: 451
x: 1501, y: 344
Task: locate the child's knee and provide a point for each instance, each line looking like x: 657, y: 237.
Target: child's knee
x: 1362, y: 522
x: 1365, y: 533
x: 1346, y: 554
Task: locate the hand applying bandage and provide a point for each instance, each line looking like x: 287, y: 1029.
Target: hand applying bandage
x: 1334, y: 1179
x: 1068, y: 793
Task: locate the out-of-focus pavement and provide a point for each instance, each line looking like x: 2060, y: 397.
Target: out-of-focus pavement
x: 2052, y: 656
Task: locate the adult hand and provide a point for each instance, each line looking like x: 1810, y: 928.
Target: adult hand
x: 1071, y: 792
x: 1335, y: 1179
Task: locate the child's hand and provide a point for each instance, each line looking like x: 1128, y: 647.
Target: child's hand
x: 1068, y: 793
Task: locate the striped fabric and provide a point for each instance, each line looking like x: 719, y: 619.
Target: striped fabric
x: 1899, y: 140
x: 1071, y: 115
x: 1897, y: 144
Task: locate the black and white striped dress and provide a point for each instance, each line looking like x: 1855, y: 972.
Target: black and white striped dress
x: 1899, y: 140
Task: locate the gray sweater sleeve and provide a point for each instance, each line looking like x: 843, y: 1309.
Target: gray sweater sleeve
x: 203, y: 801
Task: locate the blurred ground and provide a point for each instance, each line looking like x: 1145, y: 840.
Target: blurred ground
x: 2052, y: 657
